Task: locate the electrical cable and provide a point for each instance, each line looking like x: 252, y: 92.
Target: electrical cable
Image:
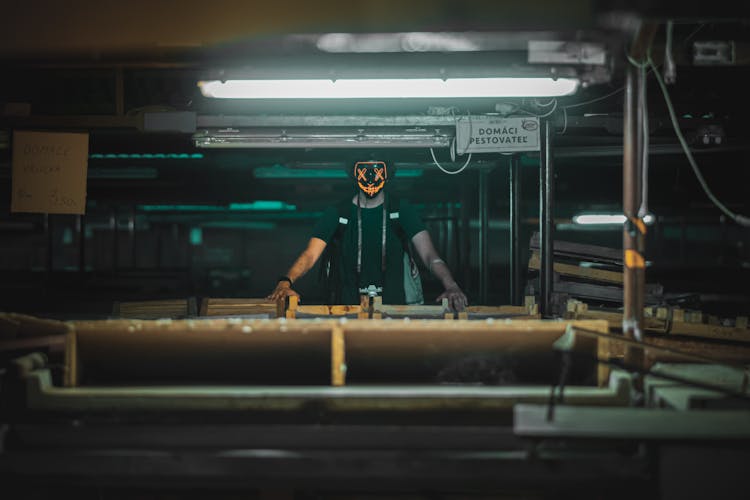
x: 738, y: 218
x: 600, y: 98
x: 452, y: 148
x: 565, y: 122
x: 550, y: 111
x: 450, y: 172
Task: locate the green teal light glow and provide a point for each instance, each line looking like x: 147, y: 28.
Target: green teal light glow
x: 181, y: 208
x: 196, y: 236
x: 282, y: 172
x: 123, y: 173
x: 255, y: 206
x: 262, y: 205
x: 146, y: 156
x: 251, y: 225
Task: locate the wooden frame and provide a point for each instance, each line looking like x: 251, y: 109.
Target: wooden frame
x: 294, y: 351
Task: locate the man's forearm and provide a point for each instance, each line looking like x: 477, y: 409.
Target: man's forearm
x: 440, y: 269
x: 300, y: 267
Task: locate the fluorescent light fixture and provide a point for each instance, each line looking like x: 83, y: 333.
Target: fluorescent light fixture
x: 606, y: 219
x: 350, y: 138
x: 146, y: 156
x: 255, y: 206
x: 385, y: 88
x: 282, y: 172
x: 402, y: 42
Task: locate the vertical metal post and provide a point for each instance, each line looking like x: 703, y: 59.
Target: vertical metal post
x: 546, y: 224
x: 50, y: 241
x: 81, y: 236
x: 115, y: 239
x: 634, y: 229
x: 452, y: 246
x: 514, y: 219
x: 483, y: 232
x: 131, y: 233
x: 464, y: 253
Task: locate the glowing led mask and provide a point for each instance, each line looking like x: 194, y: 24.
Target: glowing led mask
x: 370, y: 176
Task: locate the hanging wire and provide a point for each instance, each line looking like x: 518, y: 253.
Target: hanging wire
x: 738, y: 218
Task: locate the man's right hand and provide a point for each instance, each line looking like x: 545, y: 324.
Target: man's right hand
x: 283, y: 290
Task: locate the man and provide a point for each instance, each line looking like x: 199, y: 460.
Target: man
x: 367, y: 239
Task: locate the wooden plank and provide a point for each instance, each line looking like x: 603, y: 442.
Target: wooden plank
x: 14, y: 325
x: 338, y: 357
x: 731, y: 353
x: 235, y: 351
x: 72, y: 369
x: 299, y: 351
x: 654, y: 293
x: 582, y: 251
x: 579, y: 272
x: 496, y: 310
x: 416, y: 310
x: 364, y: 303
x: 293, y: 304
x: 652, y: 325
x: 238, y: 306
x: 152, y: 309
x: 661, y: 323
x: 31, y: 343
x: 605, y: 350
x: 710, y: 331
x: 323, y: 310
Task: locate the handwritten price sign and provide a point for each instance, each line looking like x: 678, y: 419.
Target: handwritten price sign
x: 49, y: 172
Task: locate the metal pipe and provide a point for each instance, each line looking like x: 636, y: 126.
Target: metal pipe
x: 634, y: 229
x: 50, y: 241
x: 464, y: 251
x: 81, y: 237
x: 546, y: 225
x: 115, y: 239
x: 131, y: 233
x: 483, y: 233
x: 514, y: 217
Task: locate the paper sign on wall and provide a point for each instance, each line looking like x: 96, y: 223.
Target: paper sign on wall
x: 491, y: 134
x: 49, y: 172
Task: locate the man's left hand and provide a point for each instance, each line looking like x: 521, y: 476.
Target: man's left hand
x: 457, y: 300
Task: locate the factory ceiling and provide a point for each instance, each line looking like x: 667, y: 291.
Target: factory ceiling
x: 109, y: 66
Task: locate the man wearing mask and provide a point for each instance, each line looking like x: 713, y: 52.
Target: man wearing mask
x: 365, y: 244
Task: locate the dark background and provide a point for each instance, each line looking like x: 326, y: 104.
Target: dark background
x: 125, y: 249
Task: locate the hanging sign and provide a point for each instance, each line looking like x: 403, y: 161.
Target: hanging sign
x: 493, y: 134
x: 49, y: 172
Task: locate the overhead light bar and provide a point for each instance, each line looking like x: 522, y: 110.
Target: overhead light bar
x: 606, y: 219
x: 341, y: 138
x: 389, y: 88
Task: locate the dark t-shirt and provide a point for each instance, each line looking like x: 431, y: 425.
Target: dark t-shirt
x: 372, y: 242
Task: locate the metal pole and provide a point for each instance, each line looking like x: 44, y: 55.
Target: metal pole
x: 50, y: 241
x: 483, y: 232
x: 465, y: 235
x: 634, y: 229
x: 516, y: 298
x: 81, y: 235
x: 131, y: 232
x: 115, y: 239
x: 546, y: 226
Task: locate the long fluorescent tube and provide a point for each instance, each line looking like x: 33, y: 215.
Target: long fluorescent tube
x: 601, y: 219
x: 395, y: 88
